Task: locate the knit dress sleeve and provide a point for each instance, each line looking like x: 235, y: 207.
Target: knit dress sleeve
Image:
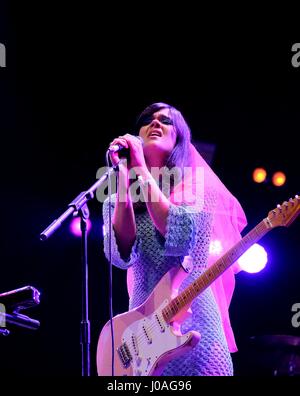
x: 180, y: 232
x: 116, y: 258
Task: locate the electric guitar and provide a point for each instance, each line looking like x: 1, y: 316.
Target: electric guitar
x: 148, y: 337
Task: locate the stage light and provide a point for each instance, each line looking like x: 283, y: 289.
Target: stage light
x: 215, y: 248
x: 75, y: 226
x: 254, y: 259
x: 259, y: 175
x: 278, y: 179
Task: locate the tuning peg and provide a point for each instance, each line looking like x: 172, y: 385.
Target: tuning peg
x: 285, y: 204
x: 279, y: 207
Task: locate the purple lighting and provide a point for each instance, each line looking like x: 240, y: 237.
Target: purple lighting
x: 254, y: 259
x: 75, y: 226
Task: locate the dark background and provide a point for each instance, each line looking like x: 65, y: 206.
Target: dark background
x: 77, y: 77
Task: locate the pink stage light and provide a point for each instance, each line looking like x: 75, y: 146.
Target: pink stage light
x: 75, y: 226
x: 254, y: 259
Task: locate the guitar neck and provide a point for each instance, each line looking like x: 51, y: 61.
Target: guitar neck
x: 213, y: 272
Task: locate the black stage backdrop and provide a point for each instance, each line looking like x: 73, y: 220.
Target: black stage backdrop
x: 75, y: 78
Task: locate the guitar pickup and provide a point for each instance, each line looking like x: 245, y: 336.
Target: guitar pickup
x: 160, y: 323
x: 124, y: 355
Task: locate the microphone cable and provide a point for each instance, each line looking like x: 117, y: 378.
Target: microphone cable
x: 110, y: 269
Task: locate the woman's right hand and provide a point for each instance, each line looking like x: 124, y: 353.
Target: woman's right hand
x: 114, y: 156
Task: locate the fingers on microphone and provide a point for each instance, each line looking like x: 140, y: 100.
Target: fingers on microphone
x: 132, y: 140
x: 114, y: 158
x: 120, y: 141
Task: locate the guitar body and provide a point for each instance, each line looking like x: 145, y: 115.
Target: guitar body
x: 148, y: 337
x: 143, y: 341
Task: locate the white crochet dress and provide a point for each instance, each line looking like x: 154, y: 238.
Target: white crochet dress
x: 151, y: 257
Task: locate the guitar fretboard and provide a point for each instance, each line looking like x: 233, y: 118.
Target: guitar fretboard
x: 212, y: 273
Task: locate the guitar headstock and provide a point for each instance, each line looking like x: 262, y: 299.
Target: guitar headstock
x: 285, y: 213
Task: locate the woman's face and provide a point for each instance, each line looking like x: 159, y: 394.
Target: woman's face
x: 158, y: 134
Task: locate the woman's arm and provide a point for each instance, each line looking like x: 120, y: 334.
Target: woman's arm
x: 176, y: 223
x: 123, y: 219
x: 157, y: 203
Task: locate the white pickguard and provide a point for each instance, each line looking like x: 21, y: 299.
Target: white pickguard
x: 147, y: 340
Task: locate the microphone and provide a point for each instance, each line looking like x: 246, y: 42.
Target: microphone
x: 118, y: 147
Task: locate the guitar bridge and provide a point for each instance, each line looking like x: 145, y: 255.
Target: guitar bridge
x: 124, y: 355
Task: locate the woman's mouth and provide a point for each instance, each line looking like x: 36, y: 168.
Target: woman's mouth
x: 155, y: 133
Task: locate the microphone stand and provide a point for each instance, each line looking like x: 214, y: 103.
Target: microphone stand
x: 79, y: 206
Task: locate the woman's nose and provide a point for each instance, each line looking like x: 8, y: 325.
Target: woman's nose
x: 155, y: 122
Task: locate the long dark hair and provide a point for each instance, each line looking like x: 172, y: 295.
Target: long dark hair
x: 180, y: 156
